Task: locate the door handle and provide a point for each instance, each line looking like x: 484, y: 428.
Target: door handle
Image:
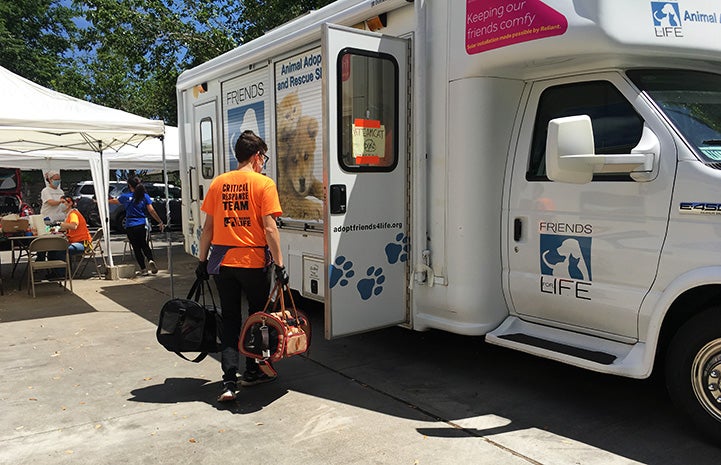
x: 517, y: 229
x: 337, y: 198
x: 190, y: 184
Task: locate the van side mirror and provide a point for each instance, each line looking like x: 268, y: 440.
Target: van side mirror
x: 570, y: 155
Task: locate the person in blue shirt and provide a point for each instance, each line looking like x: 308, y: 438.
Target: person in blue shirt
x: 138, y: 205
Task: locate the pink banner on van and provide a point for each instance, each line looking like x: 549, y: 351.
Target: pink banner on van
x: 494, y: 24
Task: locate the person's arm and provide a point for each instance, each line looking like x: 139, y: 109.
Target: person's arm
x: 113, y: 201
x: 272, y: 237
x: 70, y: 223
x: 47, y: 199
x: 206, y: 238
x: 155, y: 216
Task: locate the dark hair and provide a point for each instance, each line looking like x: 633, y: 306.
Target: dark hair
x: 247, y: 145
x: 70, y: 198
x: 138, y: 189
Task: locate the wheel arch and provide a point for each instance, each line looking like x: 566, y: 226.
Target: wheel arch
x: 685, y: 297
x: 687, y: 305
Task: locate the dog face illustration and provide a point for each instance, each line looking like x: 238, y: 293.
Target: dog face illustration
x: 299, y: 162
x: 667, y: 15
x: 571, y: 264
x: 289, y: 111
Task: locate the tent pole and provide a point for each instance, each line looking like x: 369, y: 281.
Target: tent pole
x: 104, y: 192
x: 167, y: 219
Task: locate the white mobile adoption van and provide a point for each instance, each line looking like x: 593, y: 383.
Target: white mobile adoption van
x: 544, y: 173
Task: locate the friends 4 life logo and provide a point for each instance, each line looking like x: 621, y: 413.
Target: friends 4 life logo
x: 566, y: 265
x: 666, y: 19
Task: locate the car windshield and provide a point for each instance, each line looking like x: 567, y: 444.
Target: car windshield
x: 691, y: 100
x: 116, y: 188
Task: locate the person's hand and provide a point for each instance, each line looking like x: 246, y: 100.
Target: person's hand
x: 201, y: 271
x: 162, y: 227
x: 281, y: 275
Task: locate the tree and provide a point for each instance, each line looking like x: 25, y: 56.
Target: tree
x: 127, y: 54
x: 261, y: 16
x: 36, y: 37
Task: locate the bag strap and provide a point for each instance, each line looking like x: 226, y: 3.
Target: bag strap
x: 197, y: 292
x: 275, y: 296
x: 197, y: 359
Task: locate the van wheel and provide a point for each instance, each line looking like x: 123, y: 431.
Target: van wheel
x: 693, y: 371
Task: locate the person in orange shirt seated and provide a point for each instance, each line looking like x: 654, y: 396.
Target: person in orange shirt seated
x: 75, y: 228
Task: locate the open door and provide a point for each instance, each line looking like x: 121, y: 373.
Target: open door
x: 203, y: 166
x: 365, y: 90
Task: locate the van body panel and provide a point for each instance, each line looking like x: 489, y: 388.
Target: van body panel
x: 599, y: 270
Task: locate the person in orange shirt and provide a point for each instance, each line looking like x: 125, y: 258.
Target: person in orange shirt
x: 75, y: 228
x: 241, y: 207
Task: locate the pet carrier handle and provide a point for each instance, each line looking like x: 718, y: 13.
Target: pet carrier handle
x: 278, y: 293
x: 197, y: 292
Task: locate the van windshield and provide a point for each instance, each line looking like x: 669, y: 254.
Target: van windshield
x: 691, y: 100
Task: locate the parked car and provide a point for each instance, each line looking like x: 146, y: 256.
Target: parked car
x: 86, y: 189
x: 84, y: 194
x: 156, y: 191
x: 11, y: 196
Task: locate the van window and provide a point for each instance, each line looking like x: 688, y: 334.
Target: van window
x: 617, y: 128
x: 207, y: 149
x: 368, y: 116
x: 691, y: 100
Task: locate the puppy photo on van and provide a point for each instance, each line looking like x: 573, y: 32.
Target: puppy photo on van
x: 301, y: 192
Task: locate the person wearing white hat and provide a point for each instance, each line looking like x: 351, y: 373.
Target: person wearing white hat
x: 51, y: 197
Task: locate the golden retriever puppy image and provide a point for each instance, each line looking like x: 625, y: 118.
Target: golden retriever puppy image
x: 289, y: 111
x: 300, y: 191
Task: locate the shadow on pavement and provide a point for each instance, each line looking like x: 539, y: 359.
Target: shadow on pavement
x: 476, y: 389
x: 51, y: 300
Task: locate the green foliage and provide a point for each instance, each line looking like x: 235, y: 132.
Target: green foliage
x: 260, y: 16
x: 35, y: 37
x: 127, y: 54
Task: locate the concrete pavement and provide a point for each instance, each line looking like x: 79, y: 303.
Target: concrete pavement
x: 85, y: 382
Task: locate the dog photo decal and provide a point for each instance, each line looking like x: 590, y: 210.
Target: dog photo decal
x: 298, y: 116
x: 566, y: 256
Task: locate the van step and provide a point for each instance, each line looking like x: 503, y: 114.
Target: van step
x: 592, y: 352
x: 592, y: 355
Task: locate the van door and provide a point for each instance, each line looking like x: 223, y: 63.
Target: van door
x: 584, y: 256
x: 365, y: 90
x: 204, y: 166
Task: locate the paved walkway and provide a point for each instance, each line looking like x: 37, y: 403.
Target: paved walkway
x: 85, y: 382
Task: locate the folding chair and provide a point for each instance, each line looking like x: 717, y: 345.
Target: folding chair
x: 48, y: 244
x: 93, y: 254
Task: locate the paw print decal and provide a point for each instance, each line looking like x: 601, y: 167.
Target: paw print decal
x: 398, y: 250
x: 372, y: 285
x: 339, y: 271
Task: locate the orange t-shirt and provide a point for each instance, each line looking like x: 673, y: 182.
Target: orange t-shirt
x: 81, y: 233
x: 238, y: 201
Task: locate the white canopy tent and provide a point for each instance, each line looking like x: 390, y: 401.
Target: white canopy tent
x: 34, y: 120
x: 148, y: 155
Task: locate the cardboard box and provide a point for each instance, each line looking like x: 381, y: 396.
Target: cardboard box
x: 14, y: 226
